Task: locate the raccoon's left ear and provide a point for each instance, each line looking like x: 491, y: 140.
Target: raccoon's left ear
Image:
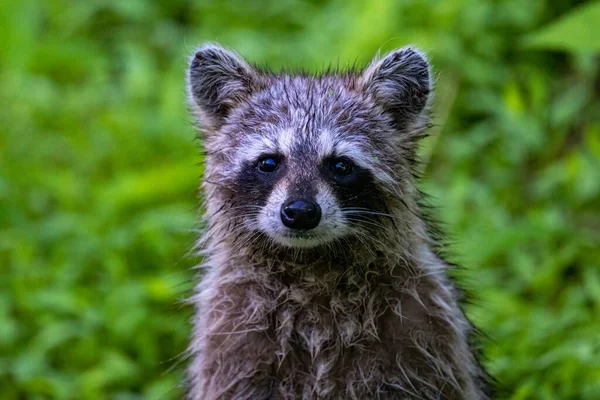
x: 218, y: 80
x: 401, y: 83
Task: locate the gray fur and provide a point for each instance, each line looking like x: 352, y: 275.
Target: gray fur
x: 362, y: 308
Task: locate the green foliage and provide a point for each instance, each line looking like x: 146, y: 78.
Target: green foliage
x: 98, y: 170
x: 577, y: 31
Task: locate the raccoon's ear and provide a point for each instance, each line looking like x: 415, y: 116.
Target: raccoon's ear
x: 218, y: 80
x: 401, y: 83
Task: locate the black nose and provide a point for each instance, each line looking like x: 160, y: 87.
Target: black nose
x: 300, y: 214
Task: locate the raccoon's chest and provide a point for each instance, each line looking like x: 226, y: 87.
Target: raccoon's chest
x: 330, y: 344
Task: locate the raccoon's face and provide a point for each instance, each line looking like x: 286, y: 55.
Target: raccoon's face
x: 307, y: 160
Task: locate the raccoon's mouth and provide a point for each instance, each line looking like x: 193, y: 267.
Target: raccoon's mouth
x: 299, y: 235
x: 299, y: 239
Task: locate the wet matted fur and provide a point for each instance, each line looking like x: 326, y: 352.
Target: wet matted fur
x: 361, y: 306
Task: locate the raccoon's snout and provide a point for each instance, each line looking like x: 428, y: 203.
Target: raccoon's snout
x: 300, y: 214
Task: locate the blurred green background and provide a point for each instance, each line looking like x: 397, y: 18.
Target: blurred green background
x: 99, y: 169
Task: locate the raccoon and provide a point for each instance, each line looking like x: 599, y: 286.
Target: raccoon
x: 320, y: 278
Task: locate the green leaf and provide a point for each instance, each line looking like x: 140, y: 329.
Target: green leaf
x: 577, y: 31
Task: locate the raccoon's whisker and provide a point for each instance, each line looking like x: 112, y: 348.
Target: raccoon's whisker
x: 372, y: 224
x: 236, y: 234
x: 362, y: 221
x: 246, y: 206
x: 363, y: 193
x: 371, y: 238
x: 256, y: 236
x: 393, y: 219
x: 220, y: 185
x: 220, y: 225
x: 365, y: 211
x: 224, y: 210
x: 361, y: 209
x: 242, y: 230
x: 366, y: 216
x: 224, y: 227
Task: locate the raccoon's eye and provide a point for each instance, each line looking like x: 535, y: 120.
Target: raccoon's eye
x: 268, y: 164
x: 342, y: 167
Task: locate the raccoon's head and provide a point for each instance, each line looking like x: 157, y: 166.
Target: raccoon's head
x: 307, y: 160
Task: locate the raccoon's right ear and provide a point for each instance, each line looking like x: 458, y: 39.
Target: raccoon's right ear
x: 218, y: 80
